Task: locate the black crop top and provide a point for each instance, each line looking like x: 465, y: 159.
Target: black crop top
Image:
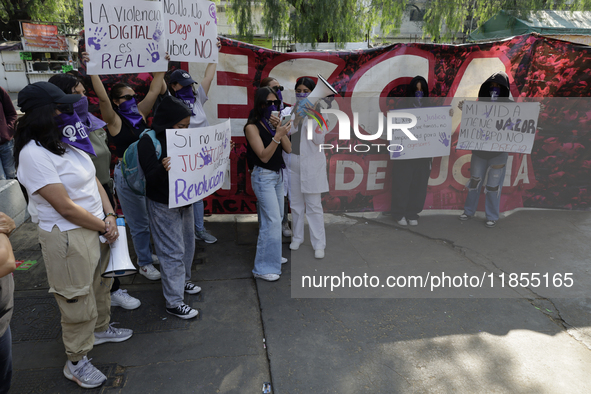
x: 127, y: 136
x: 275, y: 163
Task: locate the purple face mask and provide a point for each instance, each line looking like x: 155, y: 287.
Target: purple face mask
x: 186, y: 94
x: 494, y: 93
x: 267, y: 116
x: 91, y: 122
x: 419, y: 97
x: 301, y: 96
x: 128, y: 109
x: 73, y: 132
x: 280, y: 97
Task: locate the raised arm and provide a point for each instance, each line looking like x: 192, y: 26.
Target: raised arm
x: 146, y: 105
x: 209, y: 73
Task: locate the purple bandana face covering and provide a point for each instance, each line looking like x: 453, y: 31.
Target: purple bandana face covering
x: 91, y: 122
x: 280, y: 97
x: 186, y: 94
x: 494, y: 93
x: 73, y: 132
x: 267, y: 116
x: 301, y: 96
x: 419, y: 97
x: 128, y: 109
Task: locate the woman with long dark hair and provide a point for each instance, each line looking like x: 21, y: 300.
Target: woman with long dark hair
x: 51, y: 152
x: 94, y: 126
x: 263, y: 148
x: 126, y: 120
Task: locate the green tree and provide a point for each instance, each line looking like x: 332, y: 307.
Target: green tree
x: 445, y: 19
x: 11, y: 11
x: 314, y: 21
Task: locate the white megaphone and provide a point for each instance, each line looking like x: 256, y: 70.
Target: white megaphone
x: 119, y: 263
x: 321, y: 91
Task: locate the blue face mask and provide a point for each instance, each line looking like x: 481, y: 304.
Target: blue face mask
x: 494, y: 93
x: 128, y: 109
x: 73, y: 132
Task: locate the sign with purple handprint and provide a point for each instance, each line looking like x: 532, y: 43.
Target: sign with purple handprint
x: 199, y: 162
x: 124, y: 37
x: 191, y: 30
x: 433, y: 133
x: 498, y: 126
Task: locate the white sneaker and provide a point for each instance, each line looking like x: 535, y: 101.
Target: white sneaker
x: 268, y: 277
x: 283, y: 260
x: 402, y: 222
x: 319, y: 253
x: 155, y: 259
x: 183, y: 311
x: 192, y: 288
x: 124, y: 300
x: 112, y: 334
x: 294, y: 245
x: 286, y: 230
x: 84, y: 373
x: 150, y: 272
x: 413, y: 222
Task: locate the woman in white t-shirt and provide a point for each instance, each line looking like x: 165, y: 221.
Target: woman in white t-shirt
x: 51, y: 154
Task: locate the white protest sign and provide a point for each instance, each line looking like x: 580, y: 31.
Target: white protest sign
x: 124, y: 37
x: 433, y: 133
x: 498, y: 126
x: 191, y: 30
x: 199, y: 162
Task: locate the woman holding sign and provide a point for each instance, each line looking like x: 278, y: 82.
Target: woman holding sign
x: 182, y: 86
x: 489, y: 166
x: 172, y: 228
x: 263, y: 149
x: 126, y: 120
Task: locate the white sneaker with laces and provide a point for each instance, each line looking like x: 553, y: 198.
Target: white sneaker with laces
x: 124, y: 300
x: 413, y: 222
x: 183, y: 311
x: 268, y: 277
x: 192, y: 288
x: 402, y: 222
x: 286, y: 230
x: 295, y: 245
x: 150, y: 272
x: 283, y: 260
x: 112, y: 334
x: 84, y: 373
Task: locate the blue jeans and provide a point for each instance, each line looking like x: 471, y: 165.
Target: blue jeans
x: 198, y: 213
x: 5, y: 361
x: 174, y: 240
x: 7, y: 170
x: 136, y: 215
x: 479, y: 170
x: 268, y: 188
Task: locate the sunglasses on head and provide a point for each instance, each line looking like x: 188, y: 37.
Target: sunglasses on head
x: 277, y: 103
x: 277, y: 88
x: 127, y: 96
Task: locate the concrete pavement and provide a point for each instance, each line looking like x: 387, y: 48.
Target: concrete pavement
x: 455, y: 340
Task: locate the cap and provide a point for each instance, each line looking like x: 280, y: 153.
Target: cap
x: 39, y: 94
x: 182, y: 77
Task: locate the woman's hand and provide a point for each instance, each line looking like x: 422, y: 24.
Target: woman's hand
x: 167, y: 56
x: 166, y: 163
x: 274, y: 120
x: 461, y: 104
x: 219, y: 43
x: 84, y: 58
x: 282, y: 131
x: 232, y: 144
x: 111, y: 229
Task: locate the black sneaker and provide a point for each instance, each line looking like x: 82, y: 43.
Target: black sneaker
x: 183, y: 311
x: 191, y: 288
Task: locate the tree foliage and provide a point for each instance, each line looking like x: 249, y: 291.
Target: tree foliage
x: 11, y: 11
x: 445, y: 19
x: 314, y: 21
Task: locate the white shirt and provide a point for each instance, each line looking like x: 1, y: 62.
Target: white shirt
x: 199, y: 119
x: 38, y: 168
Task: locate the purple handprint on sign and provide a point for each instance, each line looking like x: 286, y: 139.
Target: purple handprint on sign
x: 397, y: 153
x: 206, y: 156
x: 443, y: 139
x: 157, y: 33
x: 95, y: 41
x: 153, y: 51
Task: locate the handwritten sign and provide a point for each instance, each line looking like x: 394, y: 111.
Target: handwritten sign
x: 498, y: 126
x: 433, y: 133
x: 124, y: 37
x: 199, y: 162
x: 191, y: 30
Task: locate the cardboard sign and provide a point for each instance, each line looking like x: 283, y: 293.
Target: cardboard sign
x: 199, y: 162
x: 124, y: 37
x: 191, y: 30
x: 433, y: 133
x: 498, y: 126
